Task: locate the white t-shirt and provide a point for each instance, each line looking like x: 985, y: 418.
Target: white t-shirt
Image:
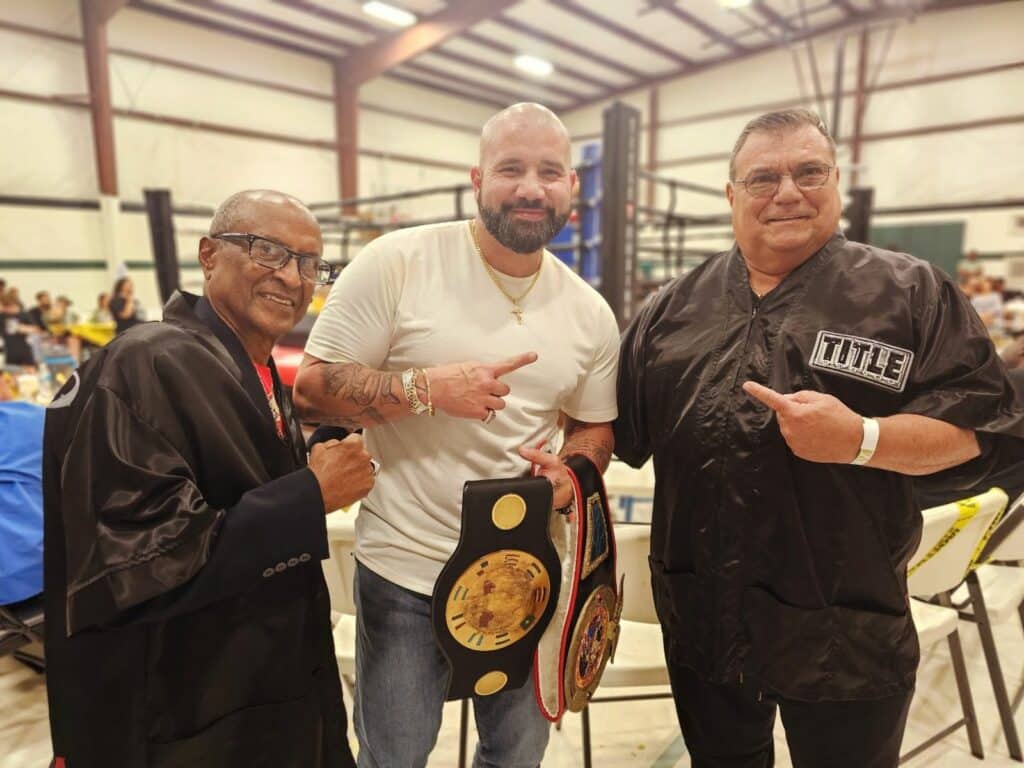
x: 421, y: 297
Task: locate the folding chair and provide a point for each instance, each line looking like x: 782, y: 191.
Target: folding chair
x: 630, y: 491
x: 339, y: 572
x: 993, y: 594
x: 21, y: 624
x: 951, y: 541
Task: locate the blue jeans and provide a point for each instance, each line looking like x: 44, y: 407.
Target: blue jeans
x: 401, y: 676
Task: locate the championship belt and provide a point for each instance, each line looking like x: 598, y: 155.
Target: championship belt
x: 574, y: 649
x: 497, y: 593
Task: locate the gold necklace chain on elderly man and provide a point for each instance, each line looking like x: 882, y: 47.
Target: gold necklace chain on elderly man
x: 516, y: 309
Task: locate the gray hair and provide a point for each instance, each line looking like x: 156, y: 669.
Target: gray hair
x: 777, y: 122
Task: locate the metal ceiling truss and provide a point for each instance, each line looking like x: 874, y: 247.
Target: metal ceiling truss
x: 782, y: 30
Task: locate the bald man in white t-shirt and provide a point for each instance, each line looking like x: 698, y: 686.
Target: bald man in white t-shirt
x: 459, y: 348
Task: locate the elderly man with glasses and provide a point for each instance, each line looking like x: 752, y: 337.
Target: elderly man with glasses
x: 187, y: 618
x: 788, y: 390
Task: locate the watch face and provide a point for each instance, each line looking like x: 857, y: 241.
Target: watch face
x: 497, y: 600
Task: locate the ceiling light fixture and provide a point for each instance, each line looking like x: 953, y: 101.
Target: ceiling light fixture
x: 534, y: 65
x: 389, y: 13
x: 733, y: 4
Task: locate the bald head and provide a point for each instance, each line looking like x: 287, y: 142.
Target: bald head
x: 235, y: 213
x: 519, y: 118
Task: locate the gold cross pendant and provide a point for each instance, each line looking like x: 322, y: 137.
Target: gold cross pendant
x: 518, y: 313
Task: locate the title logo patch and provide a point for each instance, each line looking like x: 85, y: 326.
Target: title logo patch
x: 860, y: 358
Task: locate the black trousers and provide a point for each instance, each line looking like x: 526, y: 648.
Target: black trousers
x: 730, y: 726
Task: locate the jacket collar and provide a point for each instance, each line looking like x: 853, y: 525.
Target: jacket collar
x: 196, y: 315
x: 794, y: 282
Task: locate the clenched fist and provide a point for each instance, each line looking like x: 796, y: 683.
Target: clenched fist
x: 343, y: 469
x: 815, y: 426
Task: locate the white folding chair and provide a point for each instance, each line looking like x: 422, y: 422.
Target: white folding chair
x: 630, y: 491
x: 951, y: 541
x: 339, y: 572
x: 640, y: 655
x: 993, y: 594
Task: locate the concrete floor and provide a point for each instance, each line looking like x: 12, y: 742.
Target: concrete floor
x: 626, y: 735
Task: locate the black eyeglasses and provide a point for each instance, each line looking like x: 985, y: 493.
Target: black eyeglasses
x: 766, y: 183
x: 271, y: 255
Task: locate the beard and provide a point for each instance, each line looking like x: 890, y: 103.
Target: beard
x: 521, y: 236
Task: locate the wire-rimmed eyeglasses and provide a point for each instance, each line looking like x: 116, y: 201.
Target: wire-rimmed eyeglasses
x: 766, y: 183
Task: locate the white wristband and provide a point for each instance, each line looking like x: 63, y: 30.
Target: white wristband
x: 868, y: 443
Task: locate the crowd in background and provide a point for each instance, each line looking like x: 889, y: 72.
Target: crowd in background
x: 52, y: 328
x: 999, y: 307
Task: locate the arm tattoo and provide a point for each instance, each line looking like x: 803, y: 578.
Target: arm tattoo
x: 368, y: 389
x: 318, y: 418
x: 386, y: 395
x: 335, y: 377
x: 596, y: 444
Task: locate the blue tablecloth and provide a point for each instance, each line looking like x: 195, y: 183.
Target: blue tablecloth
x: 21, y: 500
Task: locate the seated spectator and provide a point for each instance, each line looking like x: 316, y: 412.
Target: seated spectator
x: 970, y: 265
x: 21, y: 496
x: 38, y: 315
x: 14, y: 296
x: 102, y: 312
x: 987, y: 302
x: 15, y: 328
x: 1013, y: 353
x: 61, y: 318
x: 62, y: 313
x: 1008, y: 294
x: 124, y: 306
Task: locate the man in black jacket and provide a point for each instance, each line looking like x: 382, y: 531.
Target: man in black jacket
x: 788, y: 389
x: 187, y: 618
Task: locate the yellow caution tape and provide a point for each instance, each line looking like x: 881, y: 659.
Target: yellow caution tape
x: 966, y: 510
x: 976, y: 555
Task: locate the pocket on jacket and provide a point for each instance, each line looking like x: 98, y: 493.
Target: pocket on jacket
x: 831, y: 652
x: 683, y: 621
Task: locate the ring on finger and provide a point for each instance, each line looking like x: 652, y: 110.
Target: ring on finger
x: 489, y: 417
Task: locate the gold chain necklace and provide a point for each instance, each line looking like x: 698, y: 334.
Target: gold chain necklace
x: 516, y: 309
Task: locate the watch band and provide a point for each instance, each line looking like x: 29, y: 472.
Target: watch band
x: 868, y: 443
x: 416, y: 405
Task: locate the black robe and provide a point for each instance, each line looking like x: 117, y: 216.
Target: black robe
x: 187, y: 618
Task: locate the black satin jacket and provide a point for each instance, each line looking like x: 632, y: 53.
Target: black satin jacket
x: 789, y: 572
x: 187, y: 619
